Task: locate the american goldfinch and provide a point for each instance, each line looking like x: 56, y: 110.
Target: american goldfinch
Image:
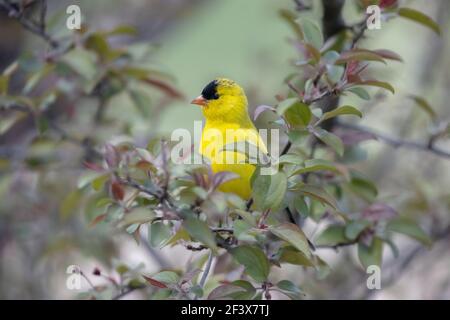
x: 224, y: 107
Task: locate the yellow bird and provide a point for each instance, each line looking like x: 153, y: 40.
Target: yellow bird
x: 224, y: 107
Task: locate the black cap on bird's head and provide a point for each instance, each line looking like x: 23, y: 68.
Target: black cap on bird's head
x: 208, y: 93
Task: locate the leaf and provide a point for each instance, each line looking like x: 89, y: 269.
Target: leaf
x: 388, y: 54
x: 359, y: 55
x: 290, y: 158
x: 139, y: 216
x: 260, y: 109
x: 158, y: 234
x: 363, y: 187
x: 269, y: 190
x: 291, y: 255
x: 341, y: 111
x: 294, y: 235
x: 371, y: 255
x: 122, y: 30
x: 319, y: 194
x: 296, y: 113
x: 379, y: 84
x: 354, y: 228
x: 82, y: 62
x: 164, y: 87
x: 410, y: 228
x: 332, y: 236
x: 330, y: 140
x: 419, y: 17
x: 254, y: 260
x: 167, y: 277
x: 200, y: 231
x: 422, y: 103
x: 99, y: 182
x: 154, y: 282
x: 360, y: 92
x: 301, y: 207
x: 225, y: 291
x: 311, y: 32
x: 290, y: 289
x: 290, y: 17
x: 379, y: 211
x: 316, y: 165
x: 117, y: 191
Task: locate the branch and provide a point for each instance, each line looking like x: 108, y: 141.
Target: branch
x: 207, y: 269
x: 37, y: 28
x: 396, y: 143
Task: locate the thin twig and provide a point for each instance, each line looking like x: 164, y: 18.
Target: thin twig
x: 207, y: 270
x: 397, y: 143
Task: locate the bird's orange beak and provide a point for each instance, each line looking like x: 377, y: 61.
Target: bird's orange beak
x: 199, y: 101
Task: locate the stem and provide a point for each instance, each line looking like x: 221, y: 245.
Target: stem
x: 207, y: 270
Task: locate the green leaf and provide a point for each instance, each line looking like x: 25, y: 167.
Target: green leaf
x: 316, y: 165
x: 290, y: 158
x: 249, y: 293
x: 341, y: 111
x: 254, y: 260
x: 330, y: 140
x: 410, y: 228
x: 290, y: 289
x: 419, y: 17
x: 225, y: 291
x: 319, y: 194
x: 158, y: 234
x: 269, y: 190
x: 168, y: 277
x: 82, y: 62
x: 331, y: 236
x: 363, y: 187
x: 360, y: 92
x: 138, y: 215
x: 301, y: 207
x: 379, y: 84
x: 200, y: 231
x: 371, y: 255
x: 99, y: 182
x: 311, y: 32
x: 294, y: 235
x: 296, y: 113
x: 354, y: 228
x: 291, y: 255
x: 422, y: 103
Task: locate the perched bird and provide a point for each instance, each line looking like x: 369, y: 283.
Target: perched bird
x: 224, y: 107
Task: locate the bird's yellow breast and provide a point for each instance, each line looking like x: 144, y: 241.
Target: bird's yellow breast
x: 214, y: 139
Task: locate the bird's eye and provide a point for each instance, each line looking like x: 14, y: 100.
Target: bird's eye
x: 210, y: 91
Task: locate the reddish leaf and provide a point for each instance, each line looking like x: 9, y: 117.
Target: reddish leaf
x: 97, y: 219
x: 379, y: 211
x: 387, y: 3
x: 154, y: 282
x: 165, y: 87
x: 117, y: 190
x: 388, y: 54
x: 93, y: 166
